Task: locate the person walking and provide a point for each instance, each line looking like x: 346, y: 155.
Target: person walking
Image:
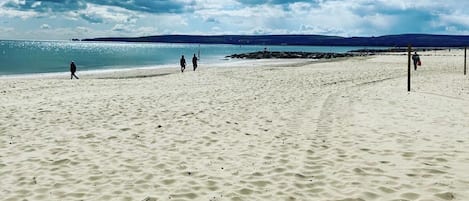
x: 416, y: 60
x: 183, y: 63
x: 73, y: 69
x: 194, y: 62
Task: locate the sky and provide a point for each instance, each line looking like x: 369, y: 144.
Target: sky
x: 66, y: 19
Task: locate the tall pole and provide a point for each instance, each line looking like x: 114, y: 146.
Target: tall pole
x: 198, y: 54
x: 465, y: 56
x: 409, y: 51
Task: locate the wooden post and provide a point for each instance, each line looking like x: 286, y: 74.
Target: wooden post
x: 409, y: 52
x: 465, y: 59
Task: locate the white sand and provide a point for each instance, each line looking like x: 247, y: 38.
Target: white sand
x: 344, y: 130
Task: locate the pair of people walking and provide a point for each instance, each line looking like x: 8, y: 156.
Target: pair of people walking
x: 73, y: 67
x: 182, y: 62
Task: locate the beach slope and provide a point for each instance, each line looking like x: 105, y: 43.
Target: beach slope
x: 340, y: 130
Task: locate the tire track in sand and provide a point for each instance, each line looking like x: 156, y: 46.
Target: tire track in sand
x: 326, y: 153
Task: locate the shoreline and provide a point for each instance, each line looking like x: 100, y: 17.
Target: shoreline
x: 159, y: 70
x: 85, y: 72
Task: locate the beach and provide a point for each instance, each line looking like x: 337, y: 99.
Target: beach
x: 344, y: 129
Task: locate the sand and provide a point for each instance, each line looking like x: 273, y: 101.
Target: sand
x: 343, y: 130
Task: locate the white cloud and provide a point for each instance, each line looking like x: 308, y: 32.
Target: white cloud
x: 260, y: 31
x: 132, y: 30
x: 36, y: 4
x: 215, y: 4
x: 328, y: 17
x: 6, y: 29
x: 145, y: 31
x: 166, y: 21
x: 83, y: 30
x: 300, y: 7
x: 121, y: 28
x: 10, y: 13
x: 45, y: 26
x: 321, y: 30
x: 98, y: 14
x: 454, y: 19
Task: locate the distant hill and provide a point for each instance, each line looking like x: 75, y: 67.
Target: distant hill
x: 417, y: 40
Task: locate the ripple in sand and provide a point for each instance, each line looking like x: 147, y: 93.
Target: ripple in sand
x: 150, y: 199
x: 408, y: 154
x: 60, y: 162
x: 411, y: 196
x: 352, y: 199
x: 76, y: 195
x: 315, y: 190
x: 185, y: 195
x: 370, y: 195
x: 94, y: 178
x: 87, y: 136
x: 124, y: 129
x: 445, y: 196
x: 40, y: 197
x: 246, y: 191
x: 386, y: 190
x: 279, y: 170
x: 213, y: 188
x: 261, y: 183
x: 168, y: 181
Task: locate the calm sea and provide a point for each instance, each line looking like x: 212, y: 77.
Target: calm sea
x: 31, y: 57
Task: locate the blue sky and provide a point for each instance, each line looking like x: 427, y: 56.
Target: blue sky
x: 65, y: 19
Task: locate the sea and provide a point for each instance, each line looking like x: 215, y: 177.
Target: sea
x: 43, y: 57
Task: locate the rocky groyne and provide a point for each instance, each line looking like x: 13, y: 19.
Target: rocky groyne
x: 293, y: 55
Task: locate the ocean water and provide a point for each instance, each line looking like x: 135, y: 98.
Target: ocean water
x: 31, y: 57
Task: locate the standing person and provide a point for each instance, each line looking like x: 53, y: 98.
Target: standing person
x: 183, y: 63
x: 416, y: 60
x: 194, y: 62
x: 73, y: 69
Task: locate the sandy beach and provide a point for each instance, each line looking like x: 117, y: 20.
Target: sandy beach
x: 343, y: 130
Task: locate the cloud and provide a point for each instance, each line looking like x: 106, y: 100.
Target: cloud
x: 321, y: 30
x: 149, y: 17
x: 212, y: 20
x: 458, y: 19
x: 44, y: 5
x: 263, y: 2
x: 149, y: 6
x: 6, y: 29
x: 92, y: 18
x: 45, y: 26
x: 160, y: 6
x: 121, y: 28
x: 99, y: 14
x: 12, y: 13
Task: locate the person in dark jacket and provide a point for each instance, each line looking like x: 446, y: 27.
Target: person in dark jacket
x: 73, y: 69
x: 194, y: 62
x: 416, y: 60
x: 183, y: 63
